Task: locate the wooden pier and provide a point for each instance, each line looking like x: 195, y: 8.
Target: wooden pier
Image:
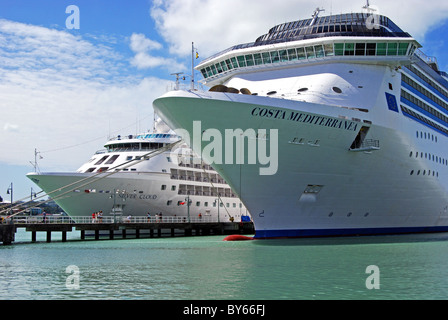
x: 112, y: 228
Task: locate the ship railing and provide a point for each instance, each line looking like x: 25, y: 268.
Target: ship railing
x: 56, y: 219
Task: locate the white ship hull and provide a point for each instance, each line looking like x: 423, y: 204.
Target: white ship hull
x: 81, y: 195
x: 370, y: 191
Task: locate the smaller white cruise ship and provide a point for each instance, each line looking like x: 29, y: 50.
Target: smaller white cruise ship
x: 139, y: 174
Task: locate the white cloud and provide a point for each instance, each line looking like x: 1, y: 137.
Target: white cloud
x: 216, y: 25
x: 11, y: 127
x: 139, y: 43
x: 143, y: 59
x: 58, y: 90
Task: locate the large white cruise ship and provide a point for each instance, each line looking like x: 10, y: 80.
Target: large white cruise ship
x: 140, y: 174
x: 349, y: 120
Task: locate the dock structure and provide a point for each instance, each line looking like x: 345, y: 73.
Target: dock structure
x: 123, y: 227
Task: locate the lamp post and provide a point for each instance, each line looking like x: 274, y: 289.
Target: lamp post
x: 10, y: 191
x: 31, y: 199
x: 188, y: 207
x: 217, y: 201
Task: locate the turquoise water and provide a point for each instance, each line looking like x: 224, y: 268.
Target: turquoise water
x: 409, y: 267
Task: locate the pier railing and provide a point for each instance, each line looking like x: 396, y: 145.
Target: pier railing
x: 160, y: 225
x: 108, y: 219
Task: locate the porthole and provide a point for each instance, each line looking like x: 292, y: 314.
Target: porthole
x: 366, y: 214
x: 331, y: 214
x: 412, y: 172
x: 271, y: 93
x: 337, y: 90
x: 302, y: 89
x: 349, y: 214
x: 410, y: 154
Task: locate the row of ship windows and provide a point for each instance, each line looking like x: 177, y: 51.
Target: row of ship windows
x: 424, y: 135
x: 428, y: 80
x: 168, y: 203
x: 117, y: 191
x: 425, y: 120
x: 309, y: 52
x: 113, y: 158
x: 300, y: 31
x: 409, y: 97
x: 434, y: 173
x: 206, y: 204
x: 135, y: 146
x: 201, y: 191
x: 429, y: 156
x: 424, y: 91
x: 349, y: 214
x: 156, y: 135
x: 352, y: 18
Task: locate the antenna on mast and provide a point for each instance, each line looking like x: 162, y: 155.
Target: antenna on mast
x: 193, y: 56
x: 35, y: 164
x: 177, y: 79
x: 368, y: 8
x: 316, y: 15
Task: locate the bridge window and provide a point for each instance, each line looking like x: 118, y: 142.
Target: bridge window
x: 257, y: 58
x: 349, y: 49
x: 112, y: 159
x: 360, y: 49
x: 328, y: 47
x: 392, y: 49
x: 283, y: 55
x: 266, y: 57
x: 224, y: 66
x: 229, y: 64
x: 101, y: 160
x: 301, y: 53
x: 218, y: 67
x: 402, y: 49
x: 381, y: 49
x: 310, y: 52
x: 339, y: 49
x: 241, y: 61
x: 292, y: 54
x: 249, y: 60
x: 319, y: 50
x: 234, y: 62
x: 370, y: 49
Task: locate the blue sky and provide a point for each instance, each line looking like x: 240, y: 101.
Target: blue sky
x: 65, y: 91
